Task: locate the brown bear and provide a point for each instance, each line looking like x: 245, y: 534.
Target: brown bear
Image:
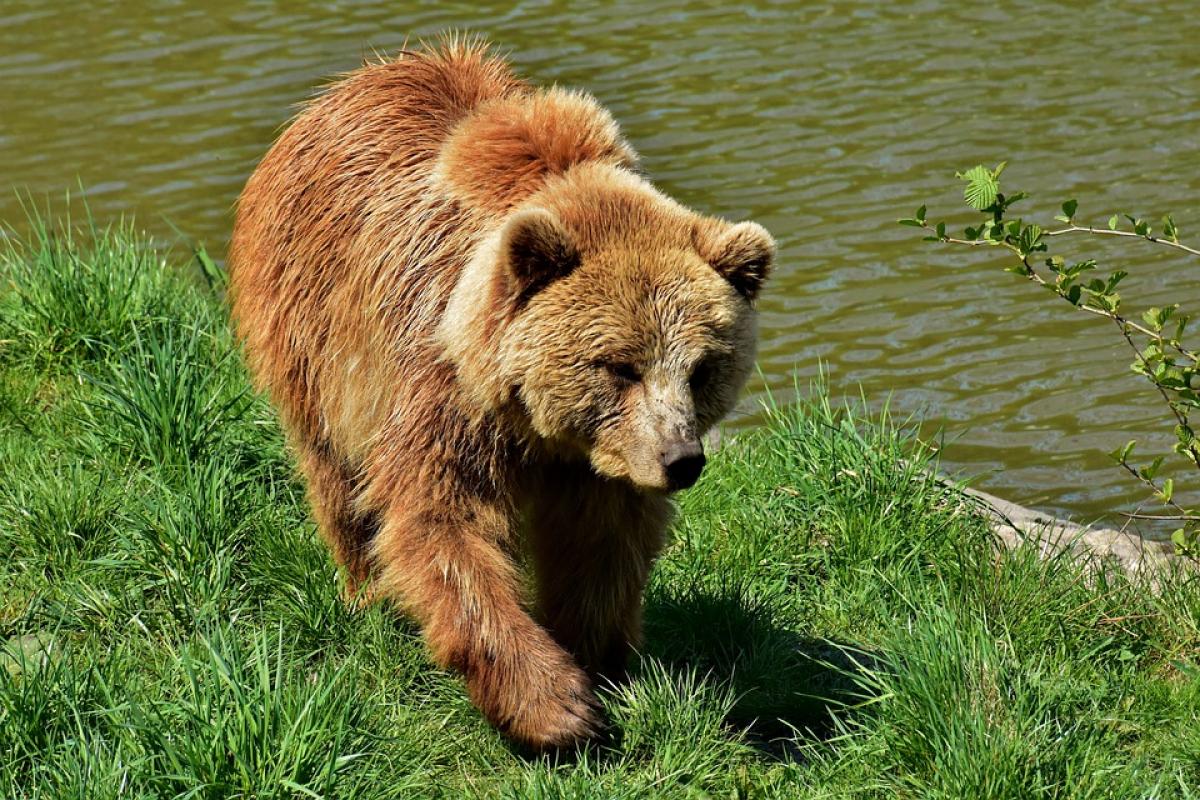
x: 491, y: 343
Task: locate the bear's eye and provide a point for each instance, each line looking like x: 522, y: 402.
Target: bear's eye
x: 624, y: 371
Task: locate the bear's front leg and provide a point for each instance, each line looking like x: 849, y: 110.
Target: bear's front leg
x: 441, y: 556
x: 593, y: 551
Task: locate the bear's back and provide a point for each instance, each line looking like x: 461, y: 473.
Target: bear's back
x: 336, y: 230
x: 362, y: 148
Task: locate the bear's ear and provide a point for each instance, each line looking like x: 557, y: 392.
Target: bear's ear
x: 743, y: 255
x: 537, y: 251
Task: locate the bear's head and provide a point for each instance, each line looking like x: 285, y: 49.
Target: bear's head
x: 619, y: 325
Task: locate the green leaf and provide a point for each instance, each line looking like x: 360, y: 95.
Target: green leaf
x: 1168, y: 490
x: 1030, y: 239
x: 1184, y: 434
x: 1114, y: 279
x: 920, y: 215
x: 941, y: 230
x: 1170, y: 230
x: 1008, y: 200
x: 1140, y: 227
x: 1148, y: 472
x: 1156, y: 318
x: 1121, y: 454
x: 982, y: 186
x: 912, y: 223
x: 1068, y: 209
x: 1073, y: 294
x: 1081, y: 267
x: 1171, y: 378
x: 1113, y: 221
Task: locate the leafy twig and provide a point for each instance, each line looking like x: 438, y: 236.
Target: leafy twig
x: 1157, y: 358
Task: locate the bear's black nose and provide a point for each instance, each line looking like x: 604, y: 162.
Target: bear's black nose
x: 684, y: 462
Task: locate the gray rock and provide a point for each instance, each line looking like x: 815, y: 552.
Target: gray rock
x: 1015, y: 524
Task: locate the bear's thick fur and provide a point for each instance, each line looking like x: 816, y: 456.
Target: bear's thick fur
x: 489, y: 338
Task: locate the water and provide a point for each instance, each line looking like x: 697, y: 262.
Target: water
x: 823, y: 123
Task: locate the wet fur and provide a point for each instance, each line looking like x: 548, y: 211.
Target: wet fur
x: 430, y: 269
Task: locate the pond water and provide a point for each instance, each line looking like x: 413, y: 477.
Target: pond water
x: 823, y: 122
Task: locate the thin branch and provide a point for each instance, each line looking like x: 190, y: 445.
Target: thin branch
x: 1032, y: 274
x: 1130, y: 518
x: 1154, y: 486
x: 1164, y: 517
x: 1114, y: 316
x: 1106, y: 232
x: 1179, y: 415
x: 967, y: 242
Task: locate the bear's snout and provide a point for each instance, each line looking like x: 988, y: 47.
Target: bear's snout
x: 683, y: 462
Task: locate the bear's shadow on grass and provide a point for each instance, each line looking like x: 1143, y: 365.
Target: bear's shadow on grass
x: 787, y: 685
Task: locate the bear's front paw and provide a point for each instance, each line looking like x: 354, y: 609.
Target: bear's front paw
x: 541, y: 708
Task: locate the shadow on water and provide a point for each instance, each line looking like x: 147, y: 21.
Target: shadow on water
x: 788, y: 685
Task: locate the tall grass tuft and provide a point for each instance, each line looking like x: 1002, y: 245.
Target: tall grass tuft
x: 249, y: 721
x: 168, y: 398
x: 76, y: 294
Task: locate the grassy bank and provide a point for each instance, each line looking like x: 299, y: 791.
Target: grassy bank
x: 828, y: 622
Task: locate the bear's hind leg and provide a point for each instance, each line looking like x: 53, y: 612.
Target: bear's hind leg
x: 593, y: 552
x: 346, y: 531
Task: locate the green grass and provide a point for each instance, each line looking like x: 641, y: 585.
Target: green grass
x: 828, y: 622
